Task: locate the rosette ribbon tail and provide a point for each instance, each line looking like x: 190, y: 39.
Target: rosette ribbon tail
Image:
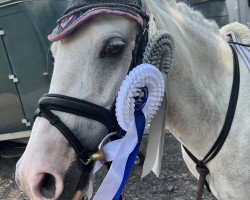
x: 140, y: 127
x: 154, y: 153
x: 137, y: 103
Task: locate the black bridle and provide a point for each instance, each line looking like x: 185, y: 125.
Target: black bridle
x: 55, y: 102
x: 80, y: 108
x: 201, y: 164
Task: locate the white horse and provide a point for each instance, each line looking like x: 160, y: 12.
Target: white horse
x: 91, y: 63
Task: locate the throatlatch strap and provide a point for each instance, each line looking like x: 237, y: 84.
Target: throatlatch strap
x: 201, y: 165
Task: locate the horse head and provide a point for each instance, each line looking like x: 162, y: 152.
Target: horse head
x: 94, y: 45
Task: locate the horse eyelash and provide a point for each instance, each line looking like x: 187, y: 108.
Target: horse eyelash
x: 106, y: 44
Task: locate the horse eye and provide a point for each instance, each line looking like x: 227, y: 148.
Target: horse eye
x: 113, y: 48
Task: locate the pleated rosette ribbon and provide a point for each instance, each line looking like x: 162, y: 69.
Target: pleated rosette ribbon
x: 138, y: 101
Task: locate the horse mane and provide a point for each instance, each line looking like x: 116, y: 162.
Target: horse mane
x: 189, y: 20
x: 196, y: 20
x: 240, y: 30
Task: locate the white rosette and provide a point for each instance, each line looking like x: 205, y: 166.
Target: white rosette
x: 141, y: 76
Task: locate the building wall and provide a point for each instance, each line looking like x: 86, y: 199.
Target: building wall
x: 239, y: 10
x: 212, y: 9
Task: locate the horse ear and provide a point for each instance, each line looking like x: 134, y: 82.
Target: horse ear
x: 160, y: 51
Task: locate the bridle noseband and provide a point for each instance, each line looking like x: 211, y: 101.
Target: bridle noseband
x: 77, y: 107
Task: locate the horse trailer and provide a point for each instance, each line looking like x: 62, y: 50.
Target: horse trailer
x: 239, y: 10
x: 25, y: 62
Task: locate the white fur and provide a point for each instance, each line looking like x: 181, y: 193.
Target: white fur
x: 198, y: 96
x: 78, y: 72
x: 241, y: 31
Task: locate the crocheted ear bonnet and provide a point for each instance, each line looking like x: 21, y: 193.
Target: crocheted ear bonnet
x: 79, y: 11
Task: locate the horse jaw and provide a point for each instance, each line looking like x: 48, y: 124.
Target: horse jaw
x: 79, y: 72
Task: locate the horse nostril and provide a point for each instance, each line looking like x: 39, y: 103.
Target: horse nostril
x: 48, y: 186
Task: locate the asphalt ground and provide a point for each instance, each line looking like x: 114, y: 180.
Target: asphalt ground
x: 175, y: 182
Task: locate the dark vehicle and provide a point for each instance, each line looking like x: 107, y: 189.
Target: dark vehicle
x: 25, y: 61
x: 212, y: 9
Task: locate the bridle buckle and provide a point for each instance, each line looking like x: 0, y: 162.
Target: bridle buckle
x: 99, y: 155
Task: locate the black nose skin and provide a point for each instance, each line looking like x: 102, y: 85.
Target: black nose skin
x: 75, y: 179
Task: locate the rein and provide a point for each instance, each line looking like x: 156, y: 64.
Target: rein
x: 238, y: 43
x: 201, y: 164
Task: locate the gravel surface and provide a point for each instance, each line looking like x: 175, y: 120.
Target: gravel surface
x: 175, y: 182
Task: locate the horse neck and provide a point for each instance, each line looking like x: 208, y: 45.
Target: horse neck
x: 199, y: 88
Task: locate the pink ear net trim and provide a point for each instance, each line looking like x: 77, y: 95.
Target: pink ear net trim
x: 66, y: 21
x: 81, y: 20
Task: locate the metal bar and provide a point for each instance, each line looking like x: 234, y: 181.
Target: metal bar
x: 4, y: 4
x: 15, y: 80
x: 16, y: 135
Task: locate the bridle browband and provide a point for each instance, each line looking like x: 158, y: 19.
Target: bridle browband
x: 201, y: 164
